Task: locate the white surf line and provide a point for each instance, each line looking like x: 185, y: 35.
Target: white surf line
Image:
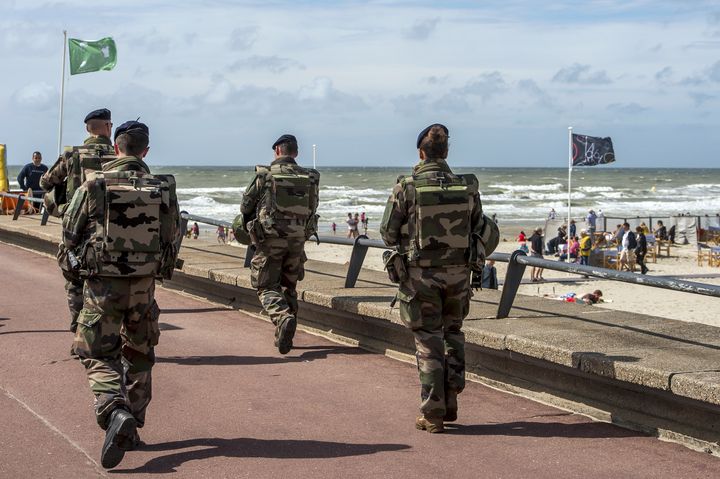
x: 57, y: 431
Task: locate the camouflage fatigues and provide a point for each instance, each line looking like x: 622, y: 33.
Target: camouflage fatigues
x: 283, y: 217
x: 55, y: 179
x: 118, y: 324
x: 435, y: 295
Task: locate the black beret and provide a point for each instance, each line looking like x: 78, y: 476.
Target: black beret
x: 101, y: 114
x: 131, y: 126
x: 284, y: 139
x: 426, y: 130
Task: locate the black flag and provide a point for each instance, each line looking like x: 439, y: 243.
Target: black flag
x: 591, y: 151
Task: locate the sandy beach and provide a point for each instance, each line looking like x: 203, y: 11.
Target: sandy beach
x: 619, y: 296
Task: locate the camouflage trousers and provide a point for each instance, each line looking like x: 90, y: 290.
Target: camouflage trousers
x: 74, y: 292
x: 433, y: 303
x: 117, y: 332
x: 277, y: 266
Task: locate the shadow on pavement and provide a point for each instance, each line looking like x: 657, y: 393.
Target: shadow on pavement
x: 250, y: 447
x: 192, y: 310
x: 229, y: 360
x: 589, y: 430
x: 40, y: 331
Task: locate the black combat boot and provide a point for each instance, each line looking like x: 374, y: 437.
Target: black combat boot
x: 451, y: 406
x: 284, y: 335
x: 121, y: 431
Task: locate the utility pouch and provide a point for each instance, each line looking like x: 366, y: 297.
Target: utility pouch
x: 476, y: 280
x: 395, y: 266
x: 477, y: 252
x: 256, y: 232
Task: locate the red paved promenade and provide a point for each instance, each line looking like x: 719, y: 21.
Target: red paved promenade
x: 226, y: 404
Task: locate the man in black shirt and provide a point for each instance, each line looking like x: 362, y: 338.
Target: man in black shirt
x: 29, y: 177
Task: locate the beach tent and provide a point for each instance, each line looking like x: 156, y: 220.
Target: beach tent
x: 685, y: 229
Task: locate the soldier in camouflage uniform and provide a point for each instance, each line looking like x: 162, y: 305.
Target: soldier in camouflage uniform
x: 431, y: 217
x: 279, y: 206
x: 118, y: 324
x: 59, y: 187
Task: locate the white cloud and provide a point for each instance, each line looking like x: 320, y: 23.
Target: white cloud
x: 37, y: 96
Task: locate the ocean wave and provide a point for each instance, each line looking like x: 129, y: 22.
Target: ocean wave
x: 511, y: 187
x: 596, y: 189
x: 211, y: 190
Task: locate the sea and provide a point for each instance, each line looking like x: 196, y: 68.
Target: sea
x: 517, y: 196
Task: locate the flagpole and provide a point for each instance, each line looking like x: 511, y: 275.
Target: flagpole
x: 314, y: 155
x: 570, y: 158
x: 62, y: 92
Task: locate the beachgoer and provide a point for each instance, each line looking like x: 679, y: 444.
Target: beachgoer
x: 118, y: 325
x: 362, y: 218
x: 221, y: 234
x: 619, y: 233
x: 572, y: 228
x: 29, y: 177
x: 661, y: 231
x: 644, y: 228
x: 334, y: 228
x: 521, y: 237
x: 536, y: 251
x: 641, y: 249
x: 629, y: 243
x: 489, y: 275
x: 279, y: 261
x: 524, y: 247
x: 585, y: 246
x: 352, y: 227
x: 552, y: 214
x: 195, y: 231
x: 434, y: 296
x: 592, y: 298
x: 591, y: 220
x: 60, y: 182
x: 573, y: 248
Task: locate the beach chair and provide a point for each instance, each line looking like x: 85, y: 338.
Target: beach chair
x: 704, y: 253
x: 651, y: 255
x: 662, y: 245
x: 611, y: 259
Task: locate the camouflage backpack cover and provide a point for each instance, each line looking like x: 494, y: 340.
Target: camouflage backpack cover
x: 288, y: 203
x: 443, y: 205
x: 71, y: 170
x: 137, y: 225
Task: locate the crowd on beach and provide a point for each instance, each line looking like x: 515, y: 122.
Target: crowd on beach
x: 631, y: 244
x: 354, y: 223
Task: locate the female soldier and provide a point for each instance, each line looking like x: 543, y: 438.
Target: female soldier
x: 440, y: 215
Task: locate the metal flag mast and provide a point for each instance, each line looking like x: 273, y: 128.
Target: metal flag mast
x: 62, y: 92
x: 314, y: 155
x: 570, y: 165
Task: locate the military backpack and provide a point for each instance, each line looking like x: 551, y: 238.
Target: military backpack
x: 443, y: 205
x: 286, y: 208
x: 79, y: 161
x: 137, y: 225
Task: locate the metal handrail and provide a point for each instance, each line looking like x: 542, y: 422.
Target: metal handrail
x: 22, y: 198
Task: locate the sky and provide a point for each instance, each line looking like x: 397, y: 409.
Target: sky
x: 217, y: 81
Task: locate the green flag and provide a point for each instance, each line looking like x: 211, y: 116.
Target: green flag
x: 88, y: 57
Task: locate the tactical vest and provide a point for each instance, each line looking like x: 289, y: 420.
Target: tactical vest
x: 136, y: 225
x: 79, y: 161
x: 443, y: 205
x: 285, y: 209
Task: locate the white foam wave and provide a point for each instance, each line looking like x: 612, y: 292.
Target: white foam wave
x: 211, y: 190
x: 511, y: 187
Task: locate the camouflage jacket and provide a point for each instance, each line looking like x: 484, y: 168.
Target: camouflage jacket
x: 398, y: 225
x: 80, y: 219
x: 59, y: 172
x: 281, y: 220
